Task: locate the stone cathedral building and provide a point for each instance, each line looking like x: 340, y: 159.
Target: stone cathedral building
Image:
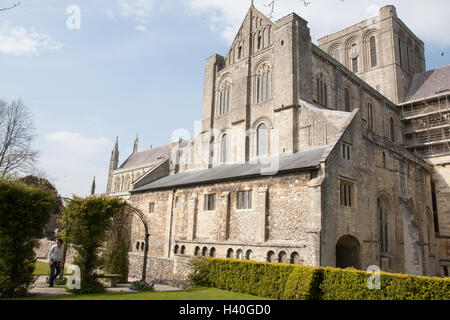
x: 328, y: 155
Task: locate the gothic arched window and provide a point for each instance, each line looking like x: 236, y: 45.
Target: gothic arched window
x: 373, y: 52
x: 224, y: 97
x: 224, y: 149
x: 392, y: 130
x: 264, y: 83
x: 354, y: 57
x: 384, y: 226
x: 261, y: 137
x: 322, y: 90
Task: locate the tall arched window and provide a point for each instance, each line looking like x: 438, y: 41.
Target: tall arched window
x: 224, y: 98
x: 354, y: 57
x: 260, y: 42
x: 322, y: 90
x: 392, y: 129
x: 261, y: 137
x: 347, y: 100
x: 263, y: 83
x: 373, y: 52
x: 384, y: 225
x: 370, y: 116
x: 224, y: 149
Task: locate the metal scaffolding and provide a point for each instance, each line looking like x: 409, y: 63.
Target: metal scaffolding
x: 426, y: 125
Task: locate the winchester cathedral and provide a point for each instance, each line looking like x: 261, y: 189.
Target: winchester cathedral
x: 331, y: 155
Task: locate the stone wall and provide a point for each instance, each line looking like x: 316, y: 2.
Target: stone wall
x: 45, y: 246
x: 169, y: 271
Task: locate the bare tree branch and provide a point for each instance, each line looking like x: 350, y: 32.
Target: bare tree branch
x: 12, y: 7
x: 16, y: 136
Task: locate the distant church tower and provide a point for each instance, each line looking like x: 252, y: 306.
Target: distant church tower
x: 113, y: 164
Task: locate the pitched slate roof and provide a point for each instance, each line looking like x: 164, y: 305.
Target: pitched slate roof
x: 429, y: 83
x: 146, y: 157
x: 300, y: 160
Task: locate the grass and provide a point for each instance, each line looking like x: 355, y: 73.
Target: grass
x: 191, y: 294
x: 43, y: 269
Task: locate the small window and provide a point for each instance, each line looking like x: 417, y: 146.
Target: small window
x: 346, y: 151
x: 176, y: 202
x: 259, y: 42
x: 210, y: 202
x: 244, y: 200
x: 151, y: 207
x: 347, y: 193
x: 383, y: 159
x: 240, y: 52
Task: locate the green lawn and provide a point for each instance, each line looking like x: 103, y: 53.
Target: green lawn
x: 43, y: 269
x: 191, y: 294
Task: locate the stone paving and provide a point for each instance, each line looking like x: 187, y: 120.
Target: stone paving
x: 41, y: 289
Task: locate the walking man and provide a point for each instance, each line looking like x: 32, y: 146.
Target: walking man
x: 55, y: 257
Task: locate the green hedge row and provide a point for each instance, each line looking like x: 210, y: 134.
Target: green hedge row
x: 293, y: 282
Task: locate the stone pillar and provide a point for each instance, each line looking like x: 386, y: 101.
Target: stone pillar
x: 261, y: 212
x: 192, y: 217
x: 412, y: 252
x: 314, y: 221
x: 169, y: 226
x: 223, y: 216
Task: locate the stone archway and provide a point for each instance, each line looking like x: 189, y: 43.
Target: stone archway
x: 347, y: 253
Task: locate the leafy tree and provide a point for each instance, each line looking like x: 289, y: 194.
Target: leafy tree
x: 86, y: 222
x: 24, y: 211
x: 115, y: 257
x: 47, y: 185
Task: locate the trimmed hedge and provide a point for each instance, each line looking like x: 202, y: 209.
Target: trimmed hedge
x: 352, y: 285
x: 24, y: 212
x: 293, y: 282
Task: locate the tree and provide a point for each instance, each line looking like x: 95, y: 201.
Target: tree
x: 12, y: 7
x: 115, y: 256
x: 37, y: 182
x: 16, y: 136
x: 24, y: 211
x: 86, y: 222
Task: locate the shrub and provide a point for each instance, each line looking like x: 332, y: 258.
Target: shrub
x: 142, y: 286
x: 86, y: 222
x: 341, y: 284
x: 24, y: 212
x: 282, y: 281
x: 199, y: 272
x: 303, y: 284
x: 257, y: 278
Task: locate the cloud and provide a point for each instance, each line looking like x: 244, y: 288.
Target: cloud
x: 75, y: 159
x: 74, y: 143
x: 429, y: 21
x: 19, y: 41
x: 140, y: 10
x: 141, y: 28
x: 110, y: 13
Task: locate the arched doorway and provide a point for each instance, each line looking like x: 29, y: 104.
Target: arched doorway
x: 347, y: 253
